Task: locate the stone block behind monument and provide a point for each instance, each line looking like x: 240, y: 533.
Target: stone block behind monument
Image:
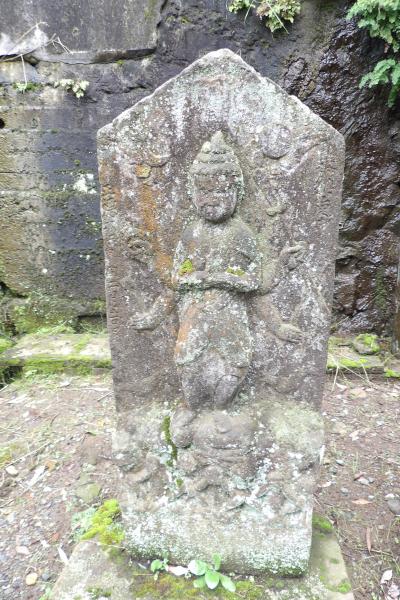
x: 220, y: 203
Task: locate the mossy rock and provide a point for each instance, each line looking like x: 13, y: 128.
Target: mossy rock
x: 366, y: 343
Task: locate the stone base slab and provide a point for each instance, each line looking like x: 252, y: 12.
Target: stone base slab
x: 91, y: 573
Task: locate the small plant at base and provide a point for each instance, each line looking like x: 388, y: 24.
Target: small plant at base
x: 78, y: 87
x: 274, y: 11
x: 209, y: 575
x: 158, y: 565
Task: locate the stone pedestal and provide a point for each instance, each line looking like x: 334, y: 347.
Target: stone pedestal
x: 90, y: 568
x: 220, y: 207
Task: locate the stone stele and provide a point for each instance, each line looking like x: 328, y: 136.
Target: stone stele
x: 220, y: 204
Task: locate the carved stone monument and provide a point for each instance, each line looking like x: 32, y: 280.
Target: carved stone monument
x: 220, y: 203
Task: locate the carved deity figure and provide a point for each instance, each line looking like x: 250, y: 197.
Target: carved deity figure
x: 218, y: 263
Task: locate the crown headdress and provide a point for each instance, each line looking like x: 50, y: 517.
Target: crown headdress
x: 216, y: 157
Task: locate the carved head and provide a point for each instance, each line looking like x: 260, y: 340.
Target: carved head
x: 216, y: 180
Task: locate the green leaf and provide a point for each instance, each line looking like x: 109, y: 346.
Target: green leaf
x: 212, y: 579
x: 227, y: 583
x: 199, y: 583
x: 197, y: 567
x: 217, y: 561
x: 156, y: 565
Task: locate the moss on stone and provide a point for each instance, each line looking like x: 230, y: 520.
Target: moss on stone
x: 370, y: 340
x: 83, y: 342
x: 235, y: 271
x: 166, y: 429
x: 186, y: 267
x: 5, y: 343
x: 342, y: 362
x: 47, y: 365
x: 344, y: 587
x: 392, y: 373
x: 104, y: 526
x: 96, y: 593
x: 322, y: 524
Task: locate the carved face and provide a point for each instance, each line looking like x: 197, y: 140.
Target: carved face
x: 215, y: 196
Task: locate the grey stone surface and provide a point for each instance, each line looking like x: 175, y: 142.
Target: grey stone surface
x: 91, y: 568
x: 220, y: 207
x: 92, y: 31
x: 60, y: 351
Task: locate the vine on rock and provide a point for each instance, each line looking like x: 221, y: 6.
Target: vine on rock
x: 381, y: 18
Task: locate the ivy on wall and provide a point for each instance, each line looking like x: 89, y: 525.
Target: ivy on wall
x: 381, y: 18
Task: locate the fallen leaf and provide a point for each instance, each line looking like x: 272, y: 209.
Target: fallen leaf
x: 178, y: 570
x: 65, y: 383
x: 11, y: 470
x: 368, y: 539
x: 361, y: 502
x: 38, y: 474
x: 63, y: 556
x: 31, y: 579
x: 55, y: 536
x: 50, y: 464
x: 387, y: 576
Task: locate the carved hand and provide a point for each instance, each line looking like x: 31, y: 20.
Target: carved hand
x: 290, y: 256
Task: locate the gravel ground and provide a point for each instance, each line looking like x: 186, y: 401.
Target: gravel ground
x: 54, y: 463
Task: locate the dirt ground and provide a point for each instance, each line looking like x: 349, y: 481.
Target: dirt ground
x: 55, y: 444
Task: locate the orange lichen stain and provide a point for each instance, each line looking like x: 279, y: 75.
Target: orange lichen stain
x: 148, y: 208
x: 163, y: 265
x: 185, y: 328
x: 142, y: 171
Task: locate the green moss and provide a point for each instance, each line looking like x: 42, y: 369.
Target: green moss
x: 83, y: 342
x: 40, y: 311
x: 55, y: 330
x: 120, y: 62
x: 186, y: 267
x: 96, y: 592
x: 5, y: 455
x: 235, y: 271
x: 344, y: 587
x: 248, y: 590
x: 369, y: 340
x: 29, y: 86
x: 391, y: 373
x: 166, y: 429
x: 342, y: 362
x: 322, y: 524
x: 103, y: 524
x: 5, y: 343
x: 168, y: 587
x: 47, y: 364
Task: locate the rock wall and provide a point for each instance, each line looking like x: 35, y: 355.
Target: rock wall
x: 51, y: 264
